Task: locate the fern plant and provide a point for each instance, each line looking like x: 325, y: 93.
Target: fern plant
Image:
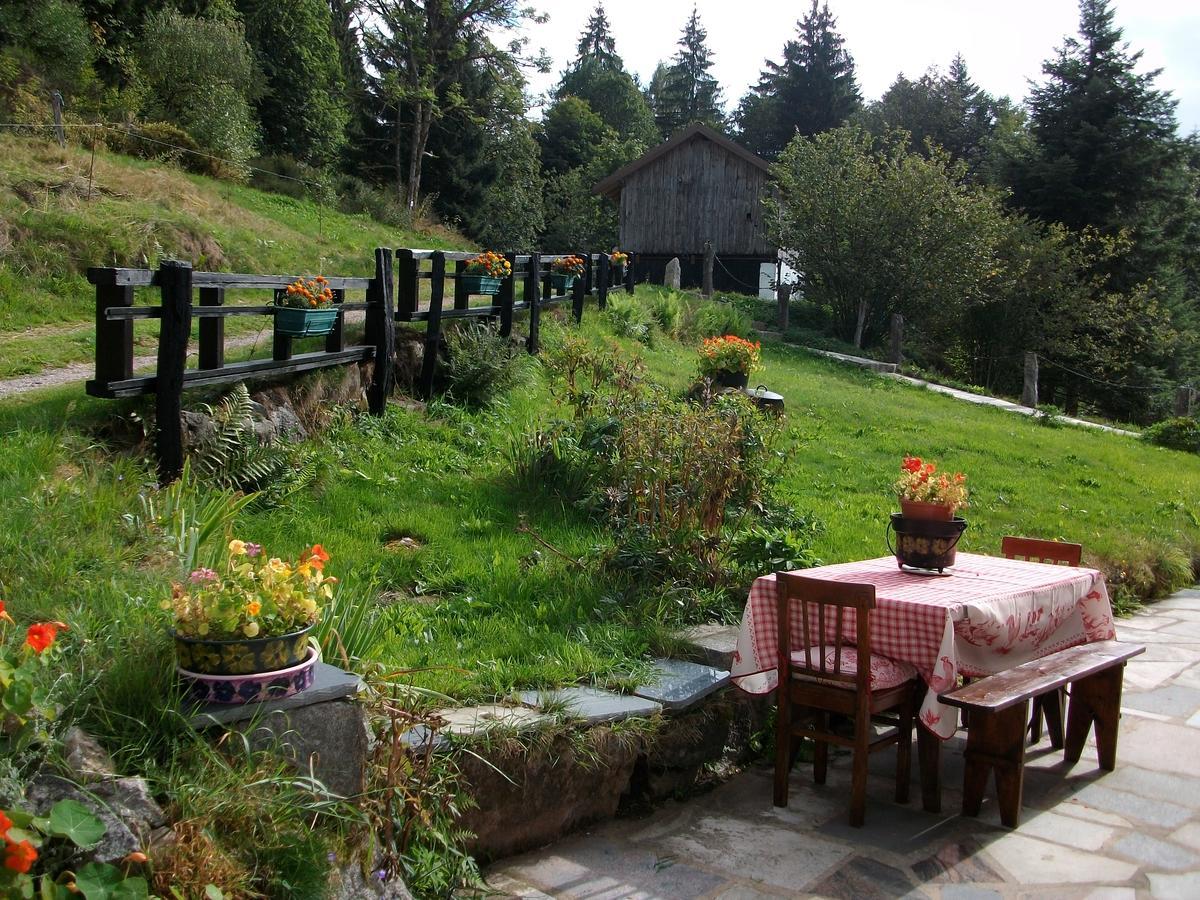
x: 232, y: 457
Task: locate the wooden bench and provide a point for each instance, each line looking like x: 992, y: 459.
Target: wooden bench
x: 999, y: 707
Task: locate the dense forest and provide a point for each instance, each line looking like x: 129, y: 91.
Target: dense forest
x: 1066, y: 223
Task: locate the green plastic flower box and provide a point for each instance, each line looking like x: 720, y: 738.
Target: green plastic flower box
x: 562, y: 283
x: 480, y: 284
x: 294, y: 322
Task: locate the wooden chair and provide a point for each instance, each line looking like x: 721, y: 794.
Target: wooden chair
x: 827, y: 676
x: 1048, y: 706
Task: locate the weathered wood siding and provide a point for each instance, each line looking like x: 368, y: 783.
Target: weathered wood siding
x: 697, y: 192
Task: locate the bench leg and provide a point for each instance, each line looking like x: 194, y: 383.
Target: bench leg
x: 1095, y: 700
x: 929, y: 751
x: 1048, y: 706
x: 996, y: 742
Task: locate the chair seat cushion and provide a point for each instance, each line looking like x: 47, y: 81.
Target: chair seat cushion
x: 885, y: 671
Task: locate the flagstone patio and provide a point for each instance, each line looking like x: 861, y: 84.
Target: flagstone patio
x: 1130, y: 833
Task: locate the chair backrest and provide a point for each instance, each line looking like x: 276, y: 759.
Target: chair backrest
x: 1036, y: 550
x: 819, y: 610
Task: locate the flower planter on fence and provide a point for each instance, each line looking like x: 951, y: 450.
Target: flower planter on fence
x: 480, y: 284
x: 295, y: 322
x: 562, y: 283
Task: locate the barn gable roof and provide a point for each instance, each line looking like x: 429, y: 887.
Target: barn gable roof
x: 611, y: 186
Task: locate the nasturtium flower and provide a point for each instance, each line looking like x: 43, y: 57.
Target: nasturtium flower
x: 5, y: 824
x: 237, y: 548
x: 253, y: 608
x: 4, y: 616
x: 41, y: 635
x: 250, y: 629
x: 19, y: 856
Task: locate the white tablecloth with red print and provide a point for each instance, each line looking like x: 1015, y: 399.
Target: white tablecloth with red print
x: 985, y: 615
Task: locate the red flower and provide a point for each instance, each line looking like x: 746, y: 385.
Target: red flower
x: 4, y: 616
x: 20, y: 857
x: 42, y: 635
x: 912, y: 464
x: 5, y: 824
x: 316, y: 557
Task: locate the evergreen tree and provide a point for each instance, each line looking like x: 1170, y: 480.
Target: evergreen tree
x: 1105, y: 151
x: 812, y: 90
x: 303, y: 112
x: 688, y: 93
x: 598, y: 76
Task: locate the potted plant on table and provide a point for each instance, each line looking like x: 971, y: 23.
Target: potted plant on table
x: 482, y: 274
x: 305, y: 308
x: 563, y: 272
x: 729, y: 360
x: 927, y: 531
x: 242, y: 635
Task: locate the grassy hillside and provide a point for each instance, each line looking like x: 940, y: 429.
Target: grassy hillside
x: 137, y: 213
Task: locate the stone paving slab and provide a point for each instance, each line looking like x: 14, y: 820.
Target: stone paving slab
x: 329, y: 683
x: 1085, y: 834
x: 713, y: 644
x: 681, y: 684
x: 592, y: 705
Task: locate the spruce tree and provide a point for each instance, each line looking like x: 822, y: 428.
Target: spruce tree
x: 688, y: 92
x: 597, y: 42
x: 812, y: 90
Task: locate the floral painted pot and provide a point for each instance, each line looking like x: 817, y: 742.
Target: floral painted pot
x: 256, y: 688
x: 925, y: 543
x: 241, y: 656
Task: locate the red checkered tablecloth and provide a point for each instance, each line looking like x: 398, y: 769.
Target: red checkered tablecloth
x: 987, y: 615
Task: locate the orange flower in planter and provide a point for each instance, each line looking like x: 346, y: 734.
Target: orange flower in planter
x: 920, y: 481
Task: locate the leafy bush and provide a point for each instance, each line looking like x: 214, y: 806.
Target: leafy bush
x: 716, y: 319
x: 482, y: 366
x: 627, y: 318
x: 667, y: 311
x: 160, y: 141
x: 1180, y: 433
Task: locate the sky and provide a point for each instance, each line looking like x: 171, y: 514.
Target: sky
x: 1004, y: 43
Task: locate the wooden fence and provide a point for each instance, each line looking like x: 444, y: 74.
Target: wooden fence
x: 177, y: 282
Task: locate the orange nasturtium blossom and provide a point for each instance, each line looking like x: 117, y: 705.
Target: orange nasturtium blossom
x: 912, y: 464
x: 19, y: 857
x: 316, y: 557
x: 5, y: 824
x: 4, y: 616
x: 42, y: 635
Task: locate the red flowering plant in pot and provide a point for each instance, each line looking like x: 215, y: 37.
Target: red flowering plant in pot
x: 926, y: 493
x: 729, y: 360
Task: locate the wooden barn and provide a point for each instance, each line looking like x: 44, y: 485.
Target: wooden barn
x: 698, y: 186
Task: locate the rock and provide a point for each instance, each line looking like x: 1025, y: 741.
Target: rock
x: 349, y: 883
x: 120, y: 837
x: 287, y: 424
x: 671, y: 275
x: 265, y: 431
x: 198, y: 429
x: 131, y: 800
x: 680, y: 752
x: 531, y: 795
x: 712, y: 645
x: 87, y: 760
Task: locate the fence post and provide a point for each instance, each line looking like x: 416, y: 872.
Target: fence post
x: 602, y: 277
x: 407, y: 281
x: 212, y: 330
x: 706, y: 287
x: 783, y: 297
x: 629, y: 274
x: 507, y: 295
x: 56, y: 102
x: 1185, y: 395
x: 535, y: 302
x: 281, y: 344
x: 381, y: 332
x: 433, y: 325
x: 175, y: 281
x: 896, y: 351
x: 461, y: 298
x: 114, y: 339
x: 579, y: 288
x: 588, y: 272
x: 335, y: 341
x: 1029, y: 393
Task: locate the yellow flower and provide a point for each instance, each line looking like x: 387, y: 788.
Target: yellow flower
x: 278, y: 566
x: 237, y: 548
x: 250, y: 630
x: 253, y: 608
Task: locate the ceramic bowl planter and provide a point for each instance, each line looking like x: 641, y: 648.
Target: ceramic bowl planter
x: 731, y: 379
x: 294, y: 322
x: 925, y: 543
x: 241, y: 656
x: 252, y: 688
x: 480, y: 284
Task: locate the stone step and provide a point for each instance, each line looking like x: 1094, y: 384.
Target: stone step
x: 712, y: 645
x: 680, y: 684
x: 592, y: 705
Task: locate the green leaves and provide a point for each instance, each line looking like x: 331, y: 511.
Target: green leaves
x: 100, y: 881
x: 72, y: 820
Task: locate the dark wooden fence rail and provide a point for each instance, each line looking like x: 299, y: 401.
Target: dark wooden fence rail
x: 115, y: 314
x: 531, y: 271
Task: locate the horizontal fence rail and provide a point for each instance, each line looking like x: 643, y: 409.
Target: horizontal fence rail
x: 389, y: 298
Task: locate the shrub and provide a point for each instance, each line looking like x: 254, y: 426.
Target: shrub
x: 481, y: 367
x: 1180, y: 433
x: 716, y: 319
x: 627, y: 318
x: 667, y: 311
x: 160, y: 141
